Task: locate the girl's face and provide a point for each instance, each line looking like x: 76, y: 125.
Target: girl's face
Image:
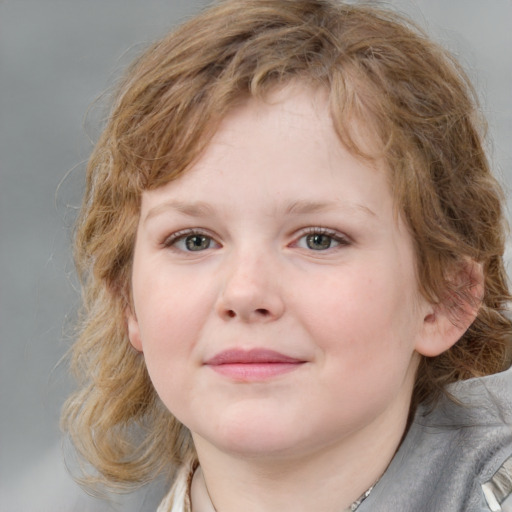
x: 275, y: 297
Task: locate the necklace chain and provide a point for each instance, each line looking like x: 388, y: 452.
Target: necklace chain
x: 360, y: 500
x: 352, y: 507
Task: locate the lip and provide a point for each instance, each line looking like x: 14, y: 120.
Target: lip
x: 252, y: 365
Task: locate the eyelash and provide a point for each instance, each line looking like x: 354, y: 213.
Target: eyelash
x: 171, y: 241
x: 336, y: 236
x: 340, y: 239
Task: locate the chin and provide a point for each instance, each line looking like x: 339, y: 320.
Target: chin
x: 253, y: 439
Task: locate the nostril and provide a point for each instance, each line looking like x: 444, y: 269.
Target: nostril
x: 261, y: 313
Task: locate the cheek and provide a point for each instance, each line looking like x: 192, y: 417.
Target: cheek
x: 169, y: 304
x: 171, y: 313
x: 365, y: 316
x: 365, y: 332
x: 168, y: 333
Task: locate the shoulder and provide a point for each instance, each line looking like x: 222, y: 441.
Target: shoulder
x: 457, y: 457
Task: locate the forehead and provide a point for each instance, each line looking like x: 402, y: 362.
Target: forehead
x: 282, y: 147
x: 344, y: 119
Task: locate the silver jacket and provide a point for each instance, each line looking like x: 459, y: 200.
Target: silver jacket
x: 456, y: 458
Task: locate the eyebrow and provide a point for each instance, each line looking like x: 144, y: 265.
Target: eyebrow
x: 202, y: 209
x: 195, y: 209
x: 307, y: 207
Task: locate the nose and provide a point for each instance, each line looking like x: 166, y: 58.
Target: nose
x: 250, y: 291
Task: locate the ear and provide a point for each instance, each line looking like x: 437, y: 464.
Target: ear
x: 445, y: 323
x: 133, y: 330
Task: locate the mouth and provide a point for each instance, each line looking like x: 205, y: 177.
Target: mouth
x: 252, y: 365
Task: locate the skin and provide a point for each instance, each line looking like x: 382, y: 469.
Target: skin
x: 299, y: 252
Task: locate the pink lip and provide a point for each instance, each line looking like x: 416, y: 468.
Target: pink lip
x: 252, y: 365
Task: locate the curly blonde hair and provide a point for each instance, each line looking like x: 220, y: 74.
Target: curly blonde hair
x: 377, y: 67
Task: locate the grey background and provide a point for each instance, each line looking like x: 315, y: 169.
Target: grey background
x: 56, y: 57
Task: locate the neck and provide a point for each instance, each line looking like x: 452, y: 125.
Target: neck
x: 325, y: 480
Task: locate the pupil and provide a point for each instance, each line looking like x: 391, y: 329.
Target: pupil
x: 318, y: 242
x: 197, y: 243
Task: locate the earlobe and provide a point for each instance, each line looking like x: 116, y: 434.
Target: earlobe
x: 447, y: 321
x: 133, y: 331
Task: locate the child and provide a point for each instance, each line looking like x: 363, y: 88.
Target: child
x: 291, y: 251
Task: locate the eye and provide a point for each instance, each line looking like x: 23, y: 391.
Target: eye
x: 190, y: 241
x: 196, y: 242
x: 321, y: 239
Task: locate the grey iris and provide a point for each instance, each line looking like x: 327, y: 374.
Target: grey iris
x: 318, y: 242
x: 197, y: 242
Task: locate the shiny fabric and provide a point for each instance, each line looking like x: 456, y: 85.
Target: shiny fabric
x: 451, y: 452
